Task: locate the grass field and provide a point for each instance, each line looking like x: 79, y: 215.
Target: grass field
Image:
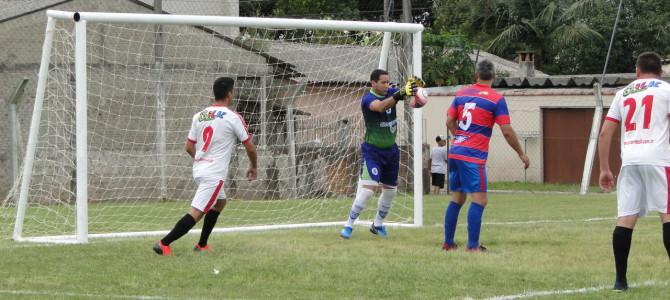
x: 542, y: 246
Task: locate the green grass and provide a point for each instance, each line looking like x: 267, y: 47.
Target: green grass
x: 538, y: 242
x: 539, y: 187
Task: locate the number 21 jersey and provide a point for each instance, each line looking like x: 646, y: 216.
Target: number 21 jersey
x: 643, y: 109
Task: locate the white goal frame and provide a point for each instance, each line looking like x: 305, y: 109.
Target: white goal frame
x: 82, y: 18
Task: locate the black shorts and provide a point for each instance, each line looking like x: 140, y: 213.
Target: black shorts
x: 438, y: 180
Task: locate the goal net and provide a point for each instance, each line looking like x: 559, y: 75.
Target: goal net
x: 116, y: 93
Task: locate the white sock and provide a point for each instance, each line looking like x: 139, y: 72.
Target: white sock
x: 359, y: 204
x: 384, y: 205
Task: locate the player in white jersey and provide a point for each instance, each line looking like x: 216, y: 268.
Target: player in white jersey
x: 214, y: 132
x: 437, y: 162
x: 643, y: 110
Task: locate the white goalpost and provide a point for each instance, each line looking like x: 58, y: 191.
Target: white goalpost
x: 116, y: 92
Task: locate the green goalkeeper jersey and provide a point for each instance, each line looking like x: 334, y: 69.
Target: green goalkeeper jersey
x: 380, y: 128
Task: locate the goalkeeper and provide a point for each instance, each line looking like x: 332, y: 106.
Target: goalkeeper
x: 380, y: 155
x: 214, y: 133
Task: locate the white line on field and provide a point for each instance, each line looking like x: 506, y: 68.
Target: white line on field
x: 565, y: 292
x: 64, y: 294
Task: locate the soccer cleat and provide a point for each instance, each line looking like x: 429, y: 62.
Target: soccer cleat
x: 162, y: 249
x: 197, y: 248
x: 479, y: 248
x: 447, y: 247
x: 378, y: 230
x: 620, y: 287
x: 346, y: 232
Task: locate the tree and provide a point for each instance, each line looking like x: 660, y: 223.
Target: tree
x: 642, y: 27
x: 541, y: 26
x: 446, y: 59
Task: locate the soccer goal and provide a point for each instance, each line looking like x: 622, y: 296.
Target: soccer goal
x: 116, y: 93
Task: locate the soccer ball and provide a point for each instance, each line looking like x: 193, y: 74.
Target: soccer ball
x: 420, y: 99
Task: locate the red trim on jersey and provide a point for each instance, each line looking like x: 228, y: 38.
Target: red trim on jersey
x: 248, y: 139
x: 667, y: 180
x: 213, y: 198
x: 243, y: 122
x: 190, y: 140
x: 482, y: 181
x: 467, y: 158
x: 615, y: 120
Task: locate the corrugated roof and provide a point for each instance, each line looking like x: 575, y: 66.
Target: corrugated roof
x: 346, y: 63
x: 610, y: 80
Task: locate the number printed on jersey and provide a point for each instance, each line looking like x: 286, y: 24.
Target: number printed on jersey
x: 466, y: 116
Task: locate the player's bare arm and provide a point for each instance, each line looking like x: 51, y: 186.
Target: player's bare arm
x: 252, y: 172
x: 606, y: 179
x: 190, y: 148
x: 451, y: 125
x: 510, y: 136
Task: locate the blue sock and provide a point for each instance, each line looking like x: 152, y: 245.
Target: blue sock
x: 474, y: 224
x: 450, y: 220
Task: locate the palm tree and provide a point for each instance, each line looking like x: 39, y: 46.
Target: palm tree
x: 540, y: 26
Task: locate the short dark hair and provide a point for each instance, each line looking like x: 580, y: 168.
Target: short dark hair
x: 485, y: 69
x: 374, y: 76
x: 222, y: 86
x: 649, y: 62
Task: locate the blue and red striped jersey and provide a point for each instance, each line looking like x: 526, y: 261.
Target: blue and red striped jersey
x: 477, y: 108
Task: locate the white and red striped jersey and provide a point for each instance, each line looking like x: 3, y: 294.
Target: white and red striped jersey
x: 215, y: 131
x: 643, y: 110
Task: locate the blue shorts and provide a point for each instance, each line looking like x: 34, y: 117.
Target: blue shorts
x: 379, y: 165
x: 467, y: 177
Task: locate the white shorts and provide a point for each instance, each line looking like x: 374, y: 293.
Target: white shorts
x: 641, y: 189
x: 209, y: 190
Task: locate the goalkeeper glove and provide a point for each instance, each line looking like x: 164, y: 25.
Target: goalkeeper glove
x: 408, y: 90
x: 416, y: 80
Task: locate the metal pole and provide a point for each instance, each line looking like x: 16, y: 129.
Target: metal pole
x: 82, y: 132
x: 161, y: 132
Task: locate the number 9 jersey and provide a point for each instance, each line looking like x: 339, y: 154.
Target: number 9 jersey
x: 644, y: 109
x: 215, y: 131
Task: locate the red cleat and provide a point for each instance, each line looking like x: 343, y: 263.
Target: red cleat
x: 447, y: 247
x: 197, y: 248
x: 162, y: 249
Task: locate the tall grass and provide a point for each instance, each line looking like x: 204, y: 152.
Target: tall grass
x: 543, y: 245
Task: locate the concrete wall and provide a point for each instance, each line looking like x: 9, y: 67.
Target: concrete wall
x: 525, y: 112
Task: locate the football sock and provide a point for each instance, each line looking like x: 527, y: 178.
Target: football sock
x: 384, y: 205
x: 474, y: 224
x: 666, y: 237
x: 621, y: 238
x: 180, y: 229
x: 359, y: 204
x: 450, y: 221
x: 208, y: 226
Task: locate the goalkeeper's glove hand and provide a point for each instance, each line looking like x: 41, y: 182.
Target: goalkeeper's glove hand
x: 416, y: 80
x: 409, y: 89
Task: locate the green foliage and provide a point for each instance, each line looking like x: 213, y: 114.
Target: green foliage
x: 446, y: 60
x: 642, y: 27
x: 317, y: 9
